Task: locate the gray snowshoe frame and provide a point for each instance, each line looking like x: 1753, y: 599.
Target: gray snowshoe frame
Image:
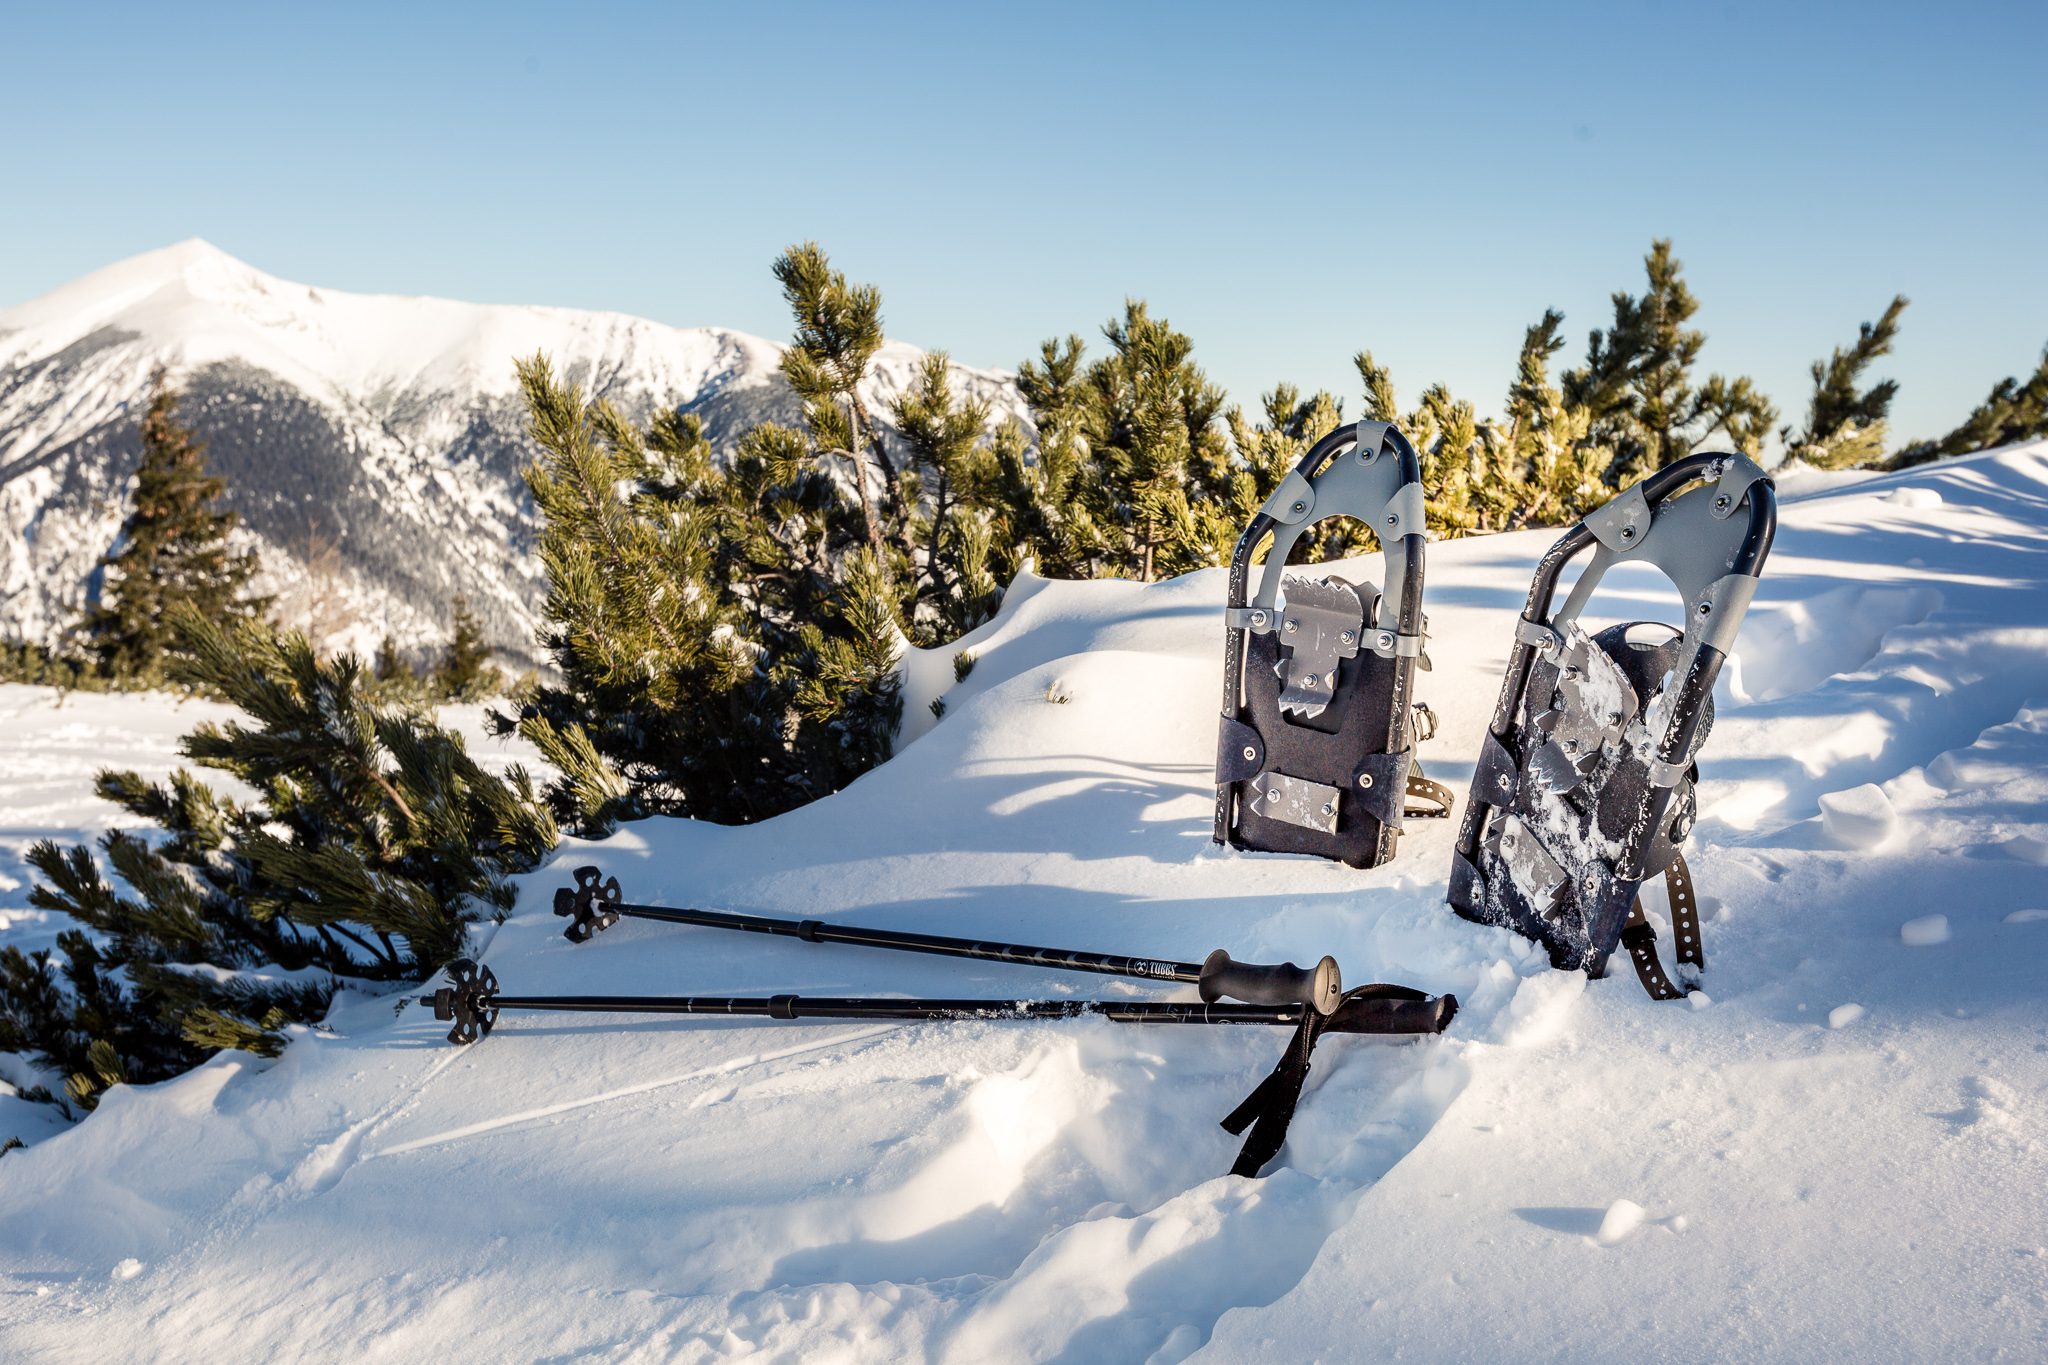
x: 1584, y: 788
x: 1315, y: 749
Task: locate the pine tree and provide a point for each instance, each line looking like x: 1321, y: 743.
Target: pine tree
x: 946, y: 475
x: 1559, y: 472
x: 172, y: 553
x: 465, y: 671
x: 1150, y: 493
x: 373, y: 841
x: 1448, y: 438
x: 390, y: 667
x: 719, y: 632
x: 1845, y: 426
x: 1043, y: 501
x: 1636, y: 383
x: 2016, y: 410
x: 838, y: 331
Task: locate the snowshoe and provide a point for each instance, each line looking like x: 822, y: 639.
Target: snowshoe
x: 1584, y: 788
x: 1316, y: 749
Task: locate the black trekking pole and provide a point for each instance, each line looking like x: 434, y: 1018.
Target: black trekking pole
x: 471, y: 1003
x: 595, y: 905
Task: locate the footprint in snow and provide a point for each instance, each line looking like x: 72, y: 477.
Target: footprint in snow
x: 2028, y: 848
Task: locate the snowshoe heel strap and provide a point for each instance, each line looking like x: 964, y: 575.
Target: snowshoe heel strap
x: 1434, y: 798
x: 1639, y: 936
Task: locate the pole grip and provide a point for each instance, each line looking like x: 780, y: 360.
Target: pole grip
x: 1318, y: 987
x: 1393, y: 1009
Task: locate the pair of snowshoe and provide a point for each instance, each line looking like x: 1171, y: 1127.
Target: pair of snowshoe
x: 1584, y: 788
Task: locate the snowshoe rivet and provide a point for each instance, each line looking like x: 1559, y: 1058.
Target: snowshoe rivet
x: 1251, y: 755
x: 1299, y: 507
x: 1310, y: 681
x: 1259, y: 618
x: 1293, y: 625
x: 1386, y: 641
x: 1273, y: 795
x: 1348, y: 636
x: 1365, y: 779
x: 1329, y: 808
x: 1706, y: 608
x: 1505, y: 781
x: 1628, y: 533
x: 1394, y: 519
x: 1721, y: 503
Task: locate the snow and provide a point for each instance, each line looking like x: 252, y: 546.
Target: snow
x: 1861, y: 817
x: 1924, y: 932
x: 1621, y: 1221
x: 1574, y: 1171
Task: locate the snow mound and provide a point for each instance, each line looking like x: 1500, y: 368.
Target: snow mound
x: 1924, y: 932
x: 1861, y: 817
x: 1623, y: 1219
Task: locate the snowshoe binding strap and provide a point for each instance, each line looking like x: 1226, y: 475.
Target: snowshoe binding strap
x: 1584, y: 788
x: 1269, y: 1109
x: 1316, y: 741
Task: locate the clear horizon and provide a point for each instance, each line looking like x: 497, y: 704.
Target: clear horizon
x: 1288, y: 190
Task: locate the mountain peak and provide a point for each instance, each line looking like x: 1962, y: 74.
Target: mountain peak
x: 192, y: 269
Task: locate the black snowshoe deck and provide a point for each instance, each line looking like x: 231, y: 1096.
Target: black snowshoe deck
x: 1315, y: 753
x: 1584, y: 788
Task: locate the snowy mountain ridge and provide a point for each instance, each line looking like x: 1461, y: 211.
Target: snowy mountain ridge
x: 372, y: 443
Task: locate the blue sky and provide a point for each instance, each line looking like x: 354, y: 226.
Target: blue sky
x: 1286, y: 183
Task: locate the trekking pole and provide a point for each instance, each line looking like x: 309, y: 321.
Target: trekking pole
x: 472, y: 1003
x: 595, y: 905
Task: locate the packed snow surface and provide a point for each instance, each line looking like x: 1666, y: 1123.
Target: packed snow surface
x: 1574, y: 1171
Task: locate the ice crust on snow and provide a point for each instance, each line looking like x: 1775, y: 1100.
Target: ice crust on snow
x: 664, y: 1189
